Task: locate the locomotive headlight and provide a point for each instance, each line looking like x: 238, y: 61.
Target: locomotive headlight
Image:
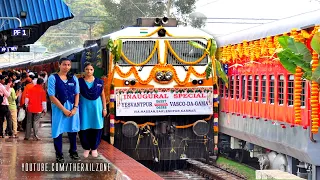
x: 159, y: 76
x: 168, y: 75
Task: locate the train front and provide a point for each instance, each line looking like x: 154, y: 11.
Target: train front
x: 161, y: 101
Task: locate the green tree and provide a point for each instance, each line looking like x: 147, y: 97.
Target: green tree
x: 72, y: 33
x: 123, y: 13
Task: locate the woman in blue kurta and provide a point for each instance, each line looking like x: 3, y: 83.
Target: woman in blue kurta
x: 92, y: 111
x: 63, y: 90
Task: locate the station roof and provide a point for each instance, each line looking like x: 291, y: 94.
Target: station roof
x: 41, y: 14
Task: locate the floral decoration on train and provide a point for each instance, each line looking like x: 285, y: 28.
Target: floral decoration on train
x: 156, y: 90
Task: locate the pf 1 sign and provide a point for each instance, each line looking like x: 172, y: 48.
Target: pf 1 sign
x: 20, y: 32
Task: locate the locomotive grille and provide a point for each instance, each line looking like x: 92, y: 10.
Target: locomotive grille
x: 138, y: 51
x: 186, y: 52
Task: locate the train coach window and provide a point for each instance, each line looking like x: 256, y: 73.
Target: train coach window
x: 256, y: 88
x: 303, y: 93
x: 237, y: 87
x: 231, y: 87
x: 271, y: 89
x: 290, y: 89
x: 263, y: 88
x: 280, y: 89
x: 221, y: 86
x: 243, y: 87
x: 250, y: 88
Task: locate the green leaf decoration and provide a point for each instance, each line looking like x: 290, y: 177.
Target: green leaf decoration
x: 299, y: 48
x: 286, y: 63
x: 119, y: 50
x: 315, y: 42
x: 307, y: 75
x: 208, y: 70
x: 297, y: 59
x: 283, y: 40
x: 196, y: 45
x: 316, y: 75
x: 221, y: 73
x: 213, y: 47
x: 110, y: 44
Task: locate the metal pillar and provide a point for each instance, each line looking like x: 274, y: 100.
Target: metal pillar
x: 13, y: 18
x: 315, y: 172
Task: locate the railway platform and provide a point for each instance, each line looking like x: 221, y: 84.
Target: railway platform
x: 21, y: 159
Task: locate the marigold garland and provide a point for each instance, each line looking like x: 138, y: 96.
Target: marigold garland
x: 259, y: 48
x: 314, y: 97
x: 157, y: 68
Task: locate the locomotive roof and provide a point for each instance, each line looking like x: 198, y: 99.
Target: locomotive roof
x: 142, y: 31
x: 271, y: 29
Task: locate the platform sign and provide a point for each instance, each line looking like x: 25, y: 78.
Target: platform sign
x: 20, y: 32
x: 164, y: 101
x: 225, y: 68
x: 4, y: 49
x: 8, y: 49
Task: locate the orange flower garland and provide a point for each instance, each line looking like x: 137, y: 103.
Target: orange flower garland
x: 157, y: 68
x: 314, y: 97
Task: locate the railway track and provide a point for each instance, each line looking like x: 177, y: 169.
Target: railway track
x: 200, y: 171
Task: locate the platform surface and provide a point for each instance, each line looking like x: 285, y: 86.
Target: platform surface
x: 275, y: 174
x: 17, y: 156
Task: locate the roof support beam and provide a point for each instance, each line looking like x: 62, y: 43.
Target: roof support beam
x: 13, y: 18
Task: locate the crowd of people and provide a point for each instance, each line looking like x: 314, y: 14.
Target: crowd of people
x: 14, y: 86
x: 77, y: 106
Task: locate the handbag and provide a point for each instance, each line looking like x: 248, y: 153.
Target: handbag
x: 21, y: 114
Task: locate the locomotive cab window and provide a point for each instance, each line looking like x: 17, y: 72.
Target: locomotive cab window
x: 280, y: 89
x: 263, y: 88
x: 256, y: 89
x: 249, y: 88
x: 243, y: 87
x: 137, y: 51
x: 290, y: 89
x: 231, y: 87
x: 186, y: 52
x: 271, y: 89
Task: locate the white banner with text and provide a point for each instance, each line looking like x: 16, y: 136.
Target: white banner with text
x: 164, y: 101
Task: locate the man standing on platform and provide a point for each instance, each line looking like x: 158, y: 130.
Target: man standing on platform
x: 36, y: 104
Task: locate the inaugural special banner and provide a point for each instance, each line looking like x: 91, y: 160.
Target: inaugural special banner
x: 164, y: 101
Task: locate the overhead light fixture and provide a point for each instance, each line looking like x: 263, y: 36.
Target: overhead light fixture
x: 23, y: 14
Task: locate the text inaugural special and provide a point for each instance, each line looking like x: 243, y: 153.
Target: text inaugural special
x: 164, y: 101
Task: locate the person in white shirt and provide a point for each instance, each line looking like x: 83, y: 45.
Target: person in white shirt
x: 4, y: 106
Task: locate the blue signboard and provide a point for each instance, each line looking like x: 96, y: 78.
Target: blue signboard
x: 20, y: 32
x: 4, y: 49
x: 8, y: 49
